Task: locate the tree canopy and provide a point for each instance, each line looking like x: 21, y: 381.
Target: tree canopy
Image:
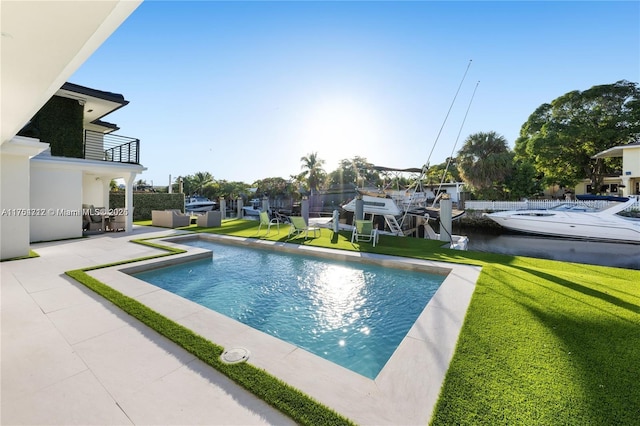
x: 560, y: 138
x: 357, y: 171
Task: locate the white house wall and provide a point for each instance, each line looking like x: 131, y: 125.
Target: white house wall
x: 14, y: 225
x: 15, y: 206
x: 94, y: 191
x: 631, y: 162
x: 57, y: 193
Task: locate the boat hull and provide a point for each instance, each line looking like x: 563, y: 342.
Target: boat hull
x: 250, y: 211
x: 199, y: 209
x: 198, y: 204
x: 375, y: 205
x: 576, y: 225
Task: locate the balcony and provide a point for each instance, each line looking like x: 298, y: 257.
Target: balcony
x: 109, y: 147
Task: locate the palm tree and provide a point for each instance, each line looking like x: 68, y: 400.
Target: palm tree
x: 312, y: 171
x: 200, y: 180
x: 484, y: 162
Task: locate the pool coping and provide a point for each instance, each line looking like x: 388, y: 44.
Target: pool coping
x: 404, y: 392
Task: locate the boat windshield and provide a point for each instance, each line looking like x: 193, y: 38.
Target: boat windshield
x: 574, y: 208
x: 591, y: 206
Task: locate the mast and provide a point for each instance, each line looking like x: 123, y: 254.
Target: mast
x: 444, y: 175
x: 425, y: 167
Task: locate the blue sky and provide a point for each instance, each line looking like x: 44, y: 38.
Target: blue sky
x: 243, y: 90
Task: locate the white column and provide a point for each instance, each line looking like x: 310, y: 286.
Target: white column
x: 106, y: 186
x: 304, y: 209
x: 240, y: 211
x: 223, y: 208
x: 14, y: 194
x: 626, y: 181
x: 128, y: 200
x: 446, y: 209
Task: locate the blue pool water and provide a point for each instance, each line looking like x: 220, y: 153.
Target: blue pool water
x: 352, y: 314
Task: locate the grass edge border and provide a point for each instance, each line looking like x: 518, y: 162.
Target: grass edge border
x: 290, y: 401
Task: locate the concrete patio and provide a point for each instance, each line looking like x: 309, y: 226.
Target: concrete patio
x: 70, y: 357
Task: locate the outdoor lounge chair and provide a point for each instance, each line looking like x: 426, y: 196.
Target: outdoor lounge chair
x: 364, y: 231
x: 93, y: 220
x: 210, y: 219
x: 298, y: 226
x: 265, y: 221
x: 169, y: 218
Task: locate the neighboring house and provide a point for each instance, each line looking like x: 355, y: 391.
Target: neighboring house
x: 43, y: 44
x: 629, y: 182
x: 626, y: 184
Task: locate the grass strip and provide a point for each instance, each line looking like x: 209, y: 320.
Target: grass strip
x: 290, y: 401
x: 32, y: 254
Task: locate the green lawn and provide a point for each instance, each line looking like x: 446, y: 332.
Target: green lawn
x: 543, y: 342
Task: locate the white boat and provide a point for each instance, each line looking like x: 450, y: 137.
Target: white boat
x: 254, y: 209
x: 375, y: 205
x: 595, y: 218
x: 196, y: 203
x: 412, y: 204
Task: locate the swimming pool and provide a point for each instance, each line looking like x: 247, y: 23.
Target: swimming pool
x: 352, y: 314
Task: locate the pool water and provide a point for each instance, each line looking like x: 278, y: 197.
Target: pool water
x: 352, y: 314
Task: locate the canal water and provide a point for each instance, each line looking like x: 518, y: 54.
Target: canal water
x: 619, y: 255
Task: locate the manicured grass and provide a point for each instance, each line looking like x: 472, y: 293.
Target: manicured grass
x: 547, y: 343
x: 543, y: 342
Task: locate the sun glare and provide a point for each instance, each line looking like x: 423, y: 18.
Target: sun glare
x: 340, y: 128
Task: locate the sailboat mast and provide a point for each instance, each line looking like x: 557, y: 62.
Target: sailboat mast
x: 446, y: 169
x: 425, y: 167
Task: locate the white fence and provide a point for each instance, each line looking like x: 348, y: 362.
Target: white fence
x: 533, y: 204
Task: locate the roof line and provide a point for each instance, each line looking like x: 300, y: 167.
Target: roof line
x: 108, y: 96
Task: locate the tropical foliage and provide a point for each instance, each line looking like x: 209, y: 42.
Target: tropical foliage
x: 357, y: 171
x: 312, y: 171
x: 485, y: 162
x: 561, y: 138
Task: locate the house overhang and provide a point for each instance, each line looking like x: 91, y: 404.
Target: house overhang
x: 23, y: 146
x: 616, y: 151
x: 95, y: 103
x: 105, y: 169
x: 43, y: 44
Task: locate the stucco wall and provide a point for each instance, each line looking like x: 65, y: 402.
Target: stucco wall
x: 58, y: 193
x: 94, y: 193
x: 14, y: 221
x: 631, y: 162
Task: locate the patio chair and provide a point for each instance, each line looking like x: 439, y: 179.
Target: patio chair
x: 93, y: 220
x: 364, y: 231
x: 298, y: 226
x: 266, y: 221
x: 210, y: 219
x: 169, y: 218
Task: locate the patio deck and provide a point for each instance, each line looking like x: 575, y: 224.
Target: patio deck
x: 69, y: 357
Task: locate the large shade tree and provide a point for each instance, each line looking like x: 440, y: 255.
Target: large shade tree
x: 357, y: 171
x: 561, y: 138
x: 485, y: 162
